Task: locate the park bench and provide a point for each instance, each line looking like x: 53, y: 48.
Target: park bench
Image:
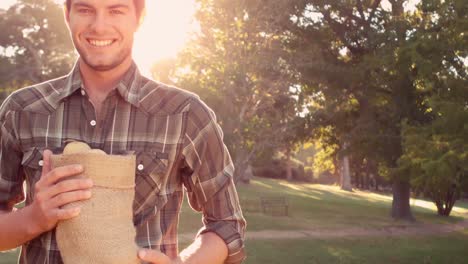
x: 275, y: 206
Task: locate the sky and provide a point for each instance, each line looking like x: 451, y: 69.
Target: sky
x: 6, y: 3
x: 164, y: 32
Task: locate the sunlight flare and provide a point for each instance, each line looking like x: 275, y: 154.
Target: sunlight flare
x: 164, y: 32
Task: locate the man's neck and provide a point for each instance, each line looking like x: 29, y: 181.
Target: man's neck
x: 98, y: 84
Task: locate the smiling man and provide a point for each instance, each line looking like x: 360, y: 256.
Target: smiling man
x: 106, y: 103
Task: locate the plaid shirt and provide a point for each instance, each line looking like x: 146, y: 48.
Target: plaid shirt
x: 173, y: 133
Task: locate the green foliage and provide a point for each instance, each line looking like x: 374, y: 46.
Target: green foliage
x: 324, y: 159
x: 309, y: 174
x: 242, y: 72
x: 436, y: 153
x: 365, y: 69
x: 387, y: 82
x: 276, y: 168
x: 338, y: 72
x: 355, y: 75
x: 34, y: 44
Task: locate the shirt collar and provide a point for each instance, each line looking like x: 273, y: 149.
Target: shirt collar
x: 128, y: 87
x: 72, y: 82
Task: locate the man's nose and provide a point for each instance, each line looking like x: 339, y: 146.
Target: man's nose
x: 100, y: 23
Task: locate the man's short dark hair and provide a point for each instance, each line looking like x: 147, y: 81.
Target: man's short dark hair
x: 139, y: 6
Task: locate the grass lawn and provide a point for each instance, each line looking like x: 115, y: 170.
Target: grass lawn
x: 10, y: 257
x: 446, y: 249
x: 314, y: 206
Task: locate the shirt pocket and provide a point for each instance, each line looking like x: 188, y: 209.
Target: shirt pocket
x: 150, y: 174
x: 32, y: 164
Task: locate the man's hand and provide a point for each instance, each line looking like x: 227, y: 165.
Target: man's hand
x: 156, y: 257
x: 207, y: 248
x: 54, y: 190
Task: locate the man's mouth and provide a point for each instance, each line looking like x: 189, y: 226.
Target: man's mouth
x: 100, y: 43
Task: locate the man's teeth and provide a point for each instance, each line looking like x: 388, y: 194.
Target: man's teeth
x: 100, y: 43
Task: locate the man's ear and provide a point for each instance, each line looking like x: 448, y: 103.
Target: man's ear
x: 142, y: 18
x: 66, y: 14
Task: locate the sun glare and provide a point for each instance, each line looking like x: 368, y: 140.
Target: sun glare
x: 164, y: 32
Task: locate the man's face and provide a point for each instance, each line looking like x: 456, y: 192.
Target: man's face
x: 102, y: 31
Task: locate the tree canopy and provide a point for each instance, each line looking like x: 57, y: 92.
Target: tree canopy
x: 380, y: 83
x: 34, y: 45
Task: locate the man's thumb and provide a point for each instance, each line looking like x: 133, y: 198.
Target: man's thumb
x: 46, y: 166
x: 153, y: 256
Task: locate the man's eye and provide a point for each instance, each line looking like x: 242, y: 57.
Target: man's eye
x: 116, y: 12
x: 85, y: 11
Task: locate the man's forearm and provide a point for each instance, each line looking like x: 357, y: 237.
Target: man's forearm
x: 207, y: 248
x: 16, y: 228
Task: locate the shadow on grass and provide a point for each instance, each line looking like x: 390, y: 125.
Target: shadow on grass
x: 323, y: 205
x: 448, y: 248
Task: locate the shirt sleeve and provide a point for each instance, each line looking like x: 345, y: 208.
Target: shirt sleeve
x: 11, y: 179
x: 209, y: 180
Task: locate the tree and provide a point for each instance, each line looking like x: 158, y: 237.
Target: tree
x: 361, y: 84
x: 34, y: 44
x: 352, y: 74
x: 241, y: 71
x: 435, y: 152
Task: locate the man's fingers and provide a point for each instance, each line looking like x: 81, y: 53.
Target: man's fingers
x: 153, y: 256
x: 64, y: 214
x: 70, y: 197
x: 59, y: 173
x: 46, y: 166
x: 70, y: 185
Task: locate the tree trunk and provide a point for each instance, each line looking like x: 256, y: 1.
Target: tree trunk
x: 377, y: 181
x: 289, y: 175
x: 346, y: 175
x: 444, y: 206
x: 240, y: 164
x: 366, y: 181
x: 401, y: 200
x: 337, y: 172
x: 373, y: 174
x: 402, y: 91
x: 239, y: 172
x: 359, y: 180
x: 248, y: 174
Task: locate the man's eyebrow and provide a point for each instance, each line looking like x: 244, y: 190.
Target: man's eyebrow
x: 81, y: 4
x: 118, y: 6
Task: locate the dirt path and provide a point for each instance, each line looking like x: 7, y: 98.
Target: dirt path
x: 393, y: 231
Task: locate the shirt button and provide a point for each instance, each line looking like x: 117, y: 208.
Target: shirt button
x: 41, y: 163
x: 83, y: 92
x: 92, y: 123
x: 140, y: 167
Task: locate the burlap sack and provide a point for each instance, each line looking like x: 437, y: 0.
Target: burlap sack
x: 103, y: 233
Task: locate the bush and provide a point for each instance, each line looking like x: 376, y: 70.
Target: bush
x: 309, y: 174
x: 327, y: 178
x: 276, y: 169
